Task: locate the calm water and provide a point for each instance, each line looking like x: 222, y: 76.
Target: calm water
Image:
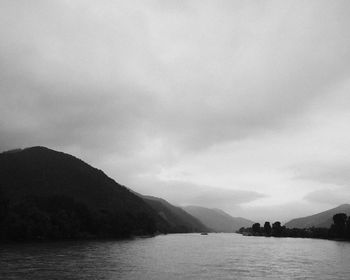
x: 179, y: 256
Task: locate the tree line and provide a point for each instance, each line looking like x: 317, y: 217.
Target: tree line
x: 340, y: 229
x: 62, y: 217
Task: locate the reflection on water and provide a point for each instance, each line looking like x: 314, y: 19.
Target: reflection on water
x: 179, y: 256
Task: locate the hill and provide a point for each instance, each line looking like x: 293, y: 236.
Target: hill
x: 322, y: 220
x: 217, y: 219
x: 45, y: 194
x: 178, y: 219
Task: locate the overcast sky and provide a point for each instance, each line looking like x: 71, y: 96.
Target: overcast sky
x: 238, y: 105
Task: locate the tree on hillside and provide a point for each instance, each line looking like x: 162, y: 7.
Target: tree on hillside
x: 267, y: 228
x: 347, y: 231
x: 339, y: 225
x: 256, y: 228
x: 3, y: 211
x: 276, y: 229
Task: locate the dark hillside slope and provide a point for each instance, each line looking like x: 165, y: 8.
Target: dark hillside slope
x: 217, y: 219
x: 178, y: 219
x: 320, y: 220
x: 49, y: 194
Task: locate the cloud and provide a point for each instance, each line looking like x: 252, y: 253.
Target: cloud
x: 204, y: 76
x: 187, y: 193
x: 138, y: 87
x: 334, y: 196
x: 331, y: 172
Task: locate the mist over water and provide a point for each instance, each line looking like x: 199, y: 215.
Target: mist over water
x: 179, y: 256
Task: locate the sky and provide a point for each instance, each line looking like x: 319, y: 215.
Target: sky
x: 237, y: 105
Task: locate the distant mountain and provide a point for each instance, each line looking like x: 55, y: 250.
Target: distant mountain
x: 323, y: 219
x: 217, y: 219
x: 49, y: 194
x: 178, y: 219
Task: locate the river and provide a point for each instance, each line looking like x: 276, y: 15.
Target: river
x: 178, y: 256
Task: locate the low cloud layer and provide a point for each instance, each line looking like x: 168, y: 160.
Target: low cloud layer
x: 238, y: 96
x: 330, y: 172
x: 329, y: 196
x: 184, y: 193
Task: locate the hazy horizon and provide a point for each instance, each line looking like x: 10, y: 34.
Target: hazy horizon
x: 241, y: 106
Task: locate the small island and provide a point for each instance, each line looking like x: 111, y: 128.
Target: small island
x: 339, y: 230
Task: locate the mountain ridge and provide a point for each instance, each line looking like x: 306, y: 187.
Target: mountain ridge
x: 177, y: 217
x: 217, y: 219
x: 49, y: 194
x: 323, y: 219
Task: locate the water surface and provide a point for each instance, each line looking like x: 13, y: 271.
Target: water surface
x: 179, y: 256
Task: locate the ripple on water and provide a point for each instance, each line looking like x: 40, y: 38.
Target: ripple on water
x: 179, y: 256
